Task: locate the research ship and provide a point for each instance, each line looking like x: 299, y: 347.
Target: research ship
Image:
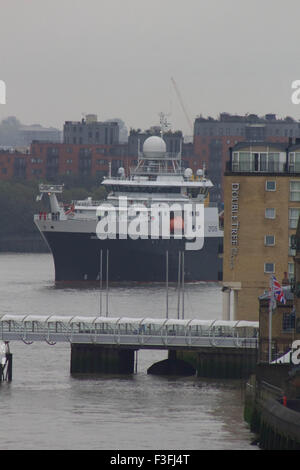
x: 81, y: 252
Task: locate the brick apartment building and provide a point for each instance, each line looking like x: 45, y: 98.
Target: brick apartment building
x: 90, y: 131
x: 89, y: 148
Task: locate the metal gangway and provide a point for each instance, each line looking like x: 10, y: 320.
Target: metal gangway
x: 139, y: 333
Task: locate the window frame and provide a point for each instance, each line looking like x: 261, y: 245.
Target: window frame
x: 270, y: 208
x: 270, y: 181
x: 270, y: 244
x: 269, y: 272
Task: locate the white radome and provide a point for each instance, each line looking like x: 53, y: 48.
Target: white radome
x: 154, y: 146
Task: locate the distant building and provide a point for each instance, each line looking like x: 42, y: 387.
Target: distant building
x: 261, y: 211
x: 214, y: 137
x: 90, y: 131
x: 36, y: 132
x: 13, y: 134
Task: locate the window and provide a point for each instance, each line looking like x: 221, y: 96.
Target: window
x: 243, y: 161
x: 270, y: 213
x: 273, y: 161
x: 291, y: 270
x: 294, y: 190
x: 269, y: 240
x: 288, y: 322
x: 269, y: 268
x: 270, y: 185
x: 257, y: 161
x: 294, y: 162
x: 292, y: 251
x: 293, y: 217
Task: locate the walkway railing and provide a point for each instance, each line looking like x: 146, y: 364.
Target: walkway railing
x: 136, y: 332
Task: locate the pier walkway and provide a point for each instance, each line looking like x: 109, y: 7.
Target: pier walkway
x: 138, y: 333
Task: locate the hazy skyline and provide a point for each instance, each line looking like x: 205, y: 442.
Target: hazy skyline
x: 60, y: 59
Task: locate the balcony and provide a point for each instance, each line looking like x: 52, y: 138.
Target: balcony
x: 253, y: 166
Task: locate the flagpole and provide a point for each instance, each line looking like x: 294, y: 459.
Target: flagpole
x: 271, y: 303
x: 179, y: 272
x: 100, y: 276
x: 167, y: 284
x: 107, y: 256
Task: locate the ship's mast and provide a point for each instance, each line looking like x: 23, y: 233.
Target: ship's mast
x: 164, y: 125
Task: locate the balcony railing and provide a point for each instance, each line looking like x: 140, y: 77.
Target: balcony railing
x: 250, y: 166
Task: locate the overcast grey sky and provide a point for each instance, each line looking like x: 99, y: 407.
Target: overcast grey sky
x: 115, y: 58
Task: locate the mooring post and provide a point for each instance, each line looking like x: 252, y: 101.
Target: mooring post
x: 8, y: 375
x: 6, y: 368
x: 8, y: 356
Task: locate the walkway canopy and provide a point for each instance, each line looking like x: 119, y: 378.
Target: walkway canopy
x: 129, y: 325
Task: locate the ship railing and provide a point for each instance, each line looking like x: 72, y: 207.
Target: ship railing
x: 161, y: 157
x: 156, y: 170
x: 90, y: 203
x: 51, y: 188
x: 43, y: 216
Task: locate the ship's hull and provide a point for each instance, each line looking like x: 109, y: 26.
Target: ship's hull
x: 77, y: 258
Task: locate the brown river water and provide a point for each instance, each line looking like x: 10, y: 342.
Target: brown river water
x: 46, y: 408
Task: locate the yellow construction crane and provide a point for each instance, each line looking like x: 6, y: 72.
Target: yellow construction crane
x: 182, y: 105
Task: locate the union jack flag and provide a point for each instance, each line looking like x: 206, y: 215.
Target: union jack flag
x: 277, y: 290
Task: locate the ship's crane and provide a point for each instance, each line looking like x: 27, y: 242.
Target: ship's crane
x: 182, y: 105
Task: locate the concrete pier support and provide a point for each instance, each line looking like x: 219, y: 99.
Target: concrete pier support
x: 226, y: 303
x: 235, y: 304
x: 221, y: 363
x: 96, y: 359
x: 172, y: 366
x: 230, y: 292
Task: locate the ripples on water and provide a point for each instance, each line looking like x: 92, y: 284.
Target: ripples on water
x: 45, y: 408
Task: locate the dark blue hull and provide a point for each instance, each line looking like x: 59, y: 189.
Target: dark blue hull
x: 77, y: 258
